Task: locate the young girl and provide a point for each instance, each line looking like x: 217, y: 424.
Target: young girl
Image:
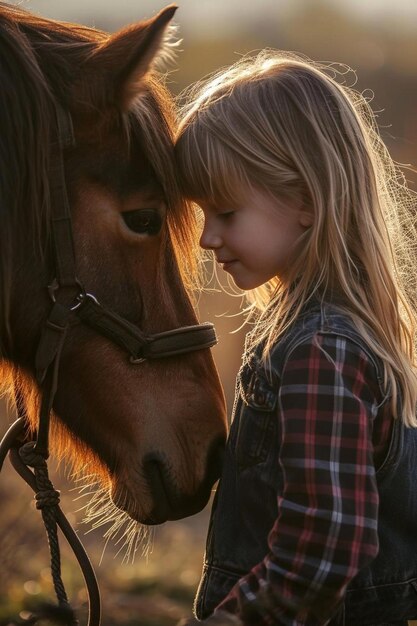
x: 315, y: 517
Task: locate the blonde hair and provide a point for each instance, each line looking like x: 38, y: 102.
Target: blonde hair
x: 283, y: 124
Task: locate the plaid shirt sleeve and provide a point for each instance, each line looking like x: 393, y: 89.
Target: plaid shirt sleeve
x: 326, y: 529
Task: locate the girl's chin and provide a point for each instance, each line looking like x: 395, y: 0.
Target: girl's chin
x: 246, y: 281
x: 246, y: 285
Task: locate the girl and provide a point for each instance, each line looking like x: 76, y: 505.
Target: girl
x: 315, y: 517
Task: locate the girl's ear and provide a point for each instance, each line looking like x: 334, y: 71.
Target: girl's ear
x: 113, y: 74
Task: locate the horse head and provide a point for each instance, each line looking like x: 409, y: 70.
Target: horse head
x: 153, y: 430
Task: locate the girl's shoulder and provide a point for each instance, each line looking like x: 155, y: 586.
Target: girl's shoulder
x: 320, y: 335
x: 324, y: 324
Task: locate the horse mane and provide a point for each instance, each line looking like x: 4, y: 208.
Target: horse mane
x: 32, y: 73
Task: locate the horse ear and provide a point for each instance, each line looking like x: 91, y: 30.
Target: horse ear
x: 114, y: 72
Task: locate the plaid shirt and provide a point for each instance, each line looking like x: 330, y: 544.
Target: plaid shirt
x: 333, y: 434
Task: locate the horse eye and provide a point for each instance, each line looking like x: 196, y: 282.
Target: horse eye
x: 143, y: 221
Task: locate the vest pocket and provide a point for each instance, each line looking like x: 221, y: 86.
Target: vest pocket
x: 214, y: 586
x: 256, y: 420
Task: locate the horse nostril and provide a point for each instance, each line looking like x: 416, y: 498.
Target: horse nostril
x: 157, y: 475
x: 168, y: 502
x: 155, y: 470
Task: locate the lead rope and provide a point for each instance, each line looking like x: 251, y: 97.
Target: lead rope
x: 48, y: 500
x: 34, y: 454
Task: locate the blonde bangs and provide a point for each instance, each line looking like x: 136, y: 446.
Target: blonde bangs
x: 209, y: 169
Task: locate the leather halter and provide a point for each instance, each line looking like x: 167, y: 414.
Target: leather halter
x: 71, y: 304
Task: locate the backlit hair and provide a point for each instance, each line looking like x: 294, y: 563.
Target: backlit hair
x: 286, y: 126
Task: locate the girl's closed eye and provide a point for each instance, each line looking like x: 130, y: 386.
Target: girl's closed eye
x: 226, y: 214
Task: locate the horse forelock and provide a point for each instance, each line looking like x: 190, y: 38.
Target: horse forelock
x: 153, y: 114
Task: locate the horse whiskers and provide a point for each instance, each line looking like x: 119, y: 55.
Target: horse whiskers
x: 125, y: 532
x: 134, y: 536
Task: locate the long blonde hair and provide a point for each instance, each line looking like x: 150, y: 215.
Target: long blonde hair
x: 284, y: 124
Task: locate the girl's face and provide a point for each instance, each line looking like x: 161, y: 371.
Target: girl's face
x: 256, y: 240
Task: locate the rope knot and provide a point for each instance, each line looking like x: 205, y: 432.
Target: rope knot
x: 47, y: 497
x: 30, y: 457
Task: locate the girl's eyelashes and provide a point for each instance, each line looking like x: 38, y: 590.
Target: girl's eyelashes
x: 226, y: 214
x: 143, y: 221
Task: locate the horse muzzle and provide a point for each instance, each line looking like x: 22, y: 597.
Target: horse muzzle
x: 165, y: 499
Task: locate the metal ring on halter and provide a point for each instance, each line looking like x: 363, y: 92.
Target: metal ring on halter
x: 79, y: 298
x: 136, y: 361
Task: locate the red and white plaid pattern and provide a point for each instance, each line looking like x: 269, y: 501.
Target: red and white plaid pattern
x: 333, y: 433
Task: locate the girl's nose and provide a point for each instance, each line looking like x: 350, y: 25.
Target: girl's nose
x: 210, y: 240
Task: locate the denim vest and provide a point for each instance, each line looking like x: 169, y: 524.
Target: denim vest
x: 245, y: 505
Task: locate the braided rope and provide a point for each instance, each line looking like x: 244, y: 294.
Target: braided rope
x: 9, y: 445
x: 47, y: 501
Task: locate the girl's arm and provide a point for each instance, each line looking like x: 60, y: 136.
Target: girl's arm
x: 326, y: 529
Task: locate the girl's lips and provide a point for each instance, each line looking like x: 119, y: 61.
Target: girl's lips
x: 228, y: 264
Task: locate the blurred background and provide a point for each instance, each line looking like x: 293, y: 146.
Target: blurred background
x: 378, y: 40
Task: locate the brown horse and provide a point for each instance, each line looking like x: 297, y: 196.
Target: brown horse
x: 152, y: 431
